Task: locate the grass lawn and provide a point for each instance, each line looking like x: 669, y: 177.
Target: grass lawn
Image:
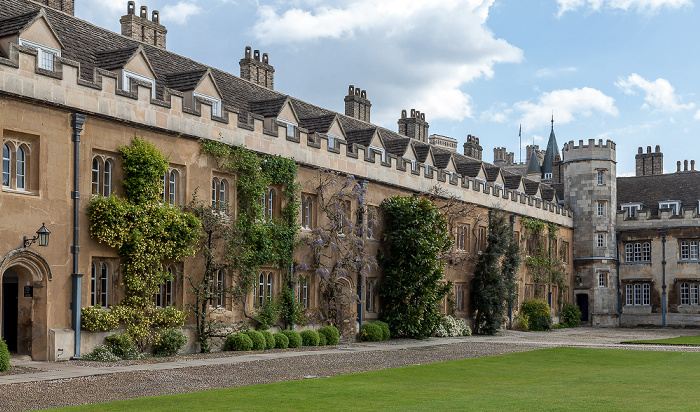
x: 550, y: 379
x: 683, y: 340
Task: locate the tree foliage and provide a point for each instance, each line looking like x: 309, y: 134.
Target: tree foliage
x: 543, y: 261
x: 417, y: 236
x: 145, y: 233
x: 493, y: 284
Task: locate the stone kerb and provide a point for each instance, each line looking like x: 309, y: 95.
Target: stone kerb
x: 103, y: 96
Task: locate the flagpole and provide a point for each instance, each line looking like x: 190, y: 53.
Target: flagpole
x: 520, y: 143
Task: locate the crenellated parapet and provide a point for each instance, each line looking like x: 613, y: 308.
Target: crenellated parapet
x: 102, y: 97
x: 592, y: 150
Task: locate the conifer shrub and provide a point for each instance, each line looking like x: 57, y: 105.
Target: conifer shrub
x: 170, y: 342
x: 238, y: 342
x: 371, y: 333
x: 309, y: 338
x: 294, y: 338
x: 331, y: 333
x: 537, y: 312
x: 386, y: 333
x: 570, y: 315
x: 281, y: 340
x: 269, y: 339
x: 257, y: 338
x: 4, y: 356
x: 322, y: 340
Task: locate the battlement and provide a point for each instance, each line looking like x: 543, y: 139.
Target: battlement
x: 592, y: 150
x: 63, y: 87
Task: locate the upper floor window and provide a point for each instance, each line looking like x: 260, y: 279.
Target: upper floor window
x: 306, y: 212
x: 128, y: 76
x: 171, y: 186
x: 46, y: 54
x: 637, y: 252
x: 215, y: 103
x: 601, y: 208
x: 481, y: 241
x: 263, y: 289
x: 689, y: 250
x: 601, y: 176
x: 21, y: 168
x: 268, y: 203
x: 381, y: 151
x: 548, y: 176
x: 220, y: 194
x: 602, y: 280
x: 461, y: 240
x: 564, y: 252
x: 6, y: 164
x: 372, y: 222
x: 638, y: 294
x: 304, y: 293
x: 600, y: 240
x: 459, y: 297
x: 291, y: 127
x: 333, y: 141
x: 15, y: 165
x: 102, y: 168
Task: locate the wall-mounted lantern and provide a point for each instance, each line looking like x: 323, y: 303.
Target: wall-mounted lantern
x: 42, y: 235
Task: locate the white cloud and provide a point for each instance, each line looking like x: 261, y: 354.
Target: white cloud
x: 660, y: 95
x: 567, y: 105
x: 641, y: 6
x: 546, y: 72
x: 179, y: 13
x: 406, y: 53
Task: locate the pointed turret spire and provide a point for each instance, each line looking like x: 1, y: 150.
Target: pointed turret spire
x: 550, y: 154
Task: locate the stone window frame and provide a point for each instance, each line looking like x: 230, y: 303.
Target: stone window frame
x: 308, y: 221
x: 101, y: 272
x: 689, y: 250
x: 303, y: 292
x: 603, y: 279
x: 217, y: 286
x: 601, y: 177
x: 460, y: 301
x: 638, y: 252
x: 45, y: 54
x: 638, y: 294
x: 128, y: 76
x: 214, y: 101
x: 370, y: 295
x: 291, y: 127
x: 222, y: 194
x: 165, y: 296
x: 21, y: 178
x: 171, y: 184
x: 372, y: 222
x: 102, y: 174
x: 688, y: 293
x: 601, y: 240
x: 264, y: 289
x: 600, y: 207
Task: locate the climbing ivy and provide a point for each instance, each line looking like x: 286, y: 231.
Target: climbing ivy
x: 542, y: 258
x: 145, y: 233
x: 254, y: 240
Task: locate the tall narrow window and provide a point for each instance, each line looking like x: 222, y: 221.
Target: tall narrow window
x: 169, y: 288
x: 268, y: 292
x: 601, y: 208
x: 629, y: 252
x: 270, y: 206
x: 93, y: 284
x: 6, y: 162
x: 369, y: 296
x: 646, y: 294
x: 261, y: 290
x: 684, y: 294
x: 164, y: 186
x: 629, y: 295
x: 693, y: 293
x: 694, y: 250
x: 637, y: 294
x: 107, y: 179
x: 214, y: 192
x: 21, y: 168
x: 223, y: 193
x: 646, y: 252
x: 304, y: 293
x: 602, y: 280
x: 220, y: 288
x: 600, y: 241
x: 104, y: 277
x: 172, y: 187
x: 306, y: 213
x: 600, y: 177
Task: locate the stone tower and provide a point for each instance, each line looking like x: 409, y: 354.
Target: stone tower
x: 472, y: 148
x: 590, y: 188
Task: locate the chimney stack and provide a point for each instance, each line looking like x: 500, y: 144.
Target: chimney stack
x: 257, y: 71
x: 649, y: 163
x: 356, y: 104
x: 414, y: 126
x: 140, y: 28
x: 66, y: 6
x: 472, y: 147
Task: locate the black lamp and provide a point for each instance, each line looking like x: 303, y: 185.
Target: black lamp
x: 42, y: 235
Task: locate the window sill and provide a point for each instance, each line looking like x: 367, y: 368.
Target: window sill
x: 19, y: 191
x: 636, y: 263
x: 688, y: 261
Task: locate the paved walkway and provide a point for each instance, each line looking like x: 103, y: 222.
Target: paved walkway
x: 577, y: 337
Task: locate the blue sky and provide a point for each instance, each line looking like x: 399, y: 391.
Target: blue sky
x: 625, y: 70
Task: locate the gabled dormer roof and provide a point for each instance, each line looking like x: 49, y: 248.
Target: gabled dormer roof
x: 493, y: 173
x: 470, y: 168
x: 362, y: 137
x: 323, y: 124
x: 442, y: 157
x: 548, y: 193
x: 421, y: 150
x: 19, y: 24
x: 279, y: 108
x: 513, y: 181
x: 192, y: 80
x: 398, y: 146
x: 532, y: 188
x: 120, y: 59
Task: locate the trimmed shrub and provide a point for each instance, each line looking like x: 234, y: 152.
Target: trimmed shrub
x: 101, y: 353
x: 170, y: 342
x: 269, y: 339
x: 309, y: 338
x: 123, y: 347
x: 322, y: 340
x: 331, y: 333
x: 371, y: 333
x: 238, y: 342
x: 4, y: 356
x: 521, y: 322
x: 294, y: 338
x: 386, y: 333
x: 281, y: 340
x: 257, y: 338
x: 570, y: 315
x: 537, y: 312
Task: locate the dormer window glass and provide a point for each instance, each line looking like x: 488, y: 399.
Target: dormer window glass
x: 631, y: 209
x: 332, y: 140
x: 127, y: 76
x: 215, y: 103
x: 291, y: 128
x: 413, y: 163
x: 674, y: 205
x: 46, y: 53
x: 380, y: 150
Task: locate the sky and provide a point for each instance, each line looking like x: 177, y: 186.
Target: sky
x: 624, y: 70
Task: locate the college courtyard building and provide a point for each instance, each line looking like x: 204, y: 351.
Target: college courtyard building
x: 72, y: 93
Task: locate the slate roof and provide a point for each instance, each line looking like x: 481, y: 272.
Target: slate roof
x: 320, y: 124
x: 467, y: 167
x: 16, y: 24
x: 649, y: 190
x: 511, y: 180
x: 551, y: 153
x: 185, y: 81
x: 114, y: 59
x: 530, y: 186
x: 268, y: 108
x: 397, y: 145
x: 422, y: 151
x: 441, y: 157
x: 491, y: 172
x: 533, y: 166
x: 361, y: 137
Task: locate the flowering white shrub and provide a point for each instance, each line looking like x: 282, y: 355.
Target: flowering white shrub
x: 451, y: 326
x: 102, y: 353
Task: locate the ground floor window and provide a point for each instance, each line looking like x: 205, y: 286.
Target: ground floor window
x: 638, y: 294
x: 689, y: 293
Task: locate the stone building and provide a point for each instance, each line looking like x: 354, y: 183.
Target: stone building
x: 72, y: 93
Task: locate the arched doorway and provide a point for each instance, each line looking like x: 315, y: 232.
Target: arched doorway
x: 24, y: 274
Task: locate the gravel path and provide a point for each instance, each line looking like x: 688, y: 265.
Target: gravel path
x: 354, y: 358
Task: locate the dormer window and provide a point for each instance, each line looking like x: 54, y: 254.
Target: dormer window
x: 215, y: 103
x: 674, y: 205
x: 380, y: 150
x: 46, y: 53
x: 127, y: 76
x: 291, y: 128
x: 631, y: 209
x: 548, y: 176
x: 332, y: 140
x: 413, y: 163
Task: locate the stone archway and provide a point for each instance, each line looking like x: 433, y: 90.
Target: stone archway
x: 24, y: 276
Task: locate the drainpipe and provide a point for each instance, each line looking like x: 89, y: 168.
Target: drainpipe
x: 360, y: 286
x: 618, y: 285
x: 663, y: 278
x: 77, y: 125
